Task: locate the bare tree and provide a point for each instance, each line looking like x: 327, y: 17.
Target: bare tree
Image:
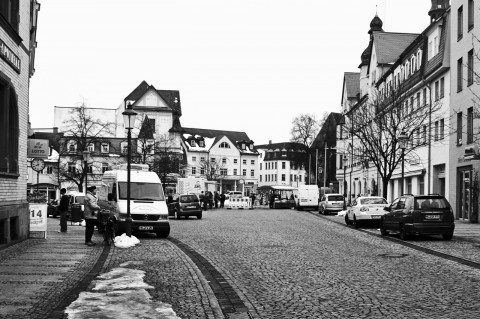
x: 305, y: 128
x: 145, y: 152
x: 167, y: 161
x: 378, y: 122
x: 212, y: 169
x: 81, y: 130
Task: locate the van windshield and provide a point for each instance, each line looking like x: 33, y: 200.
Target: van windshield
x: 141, y: 191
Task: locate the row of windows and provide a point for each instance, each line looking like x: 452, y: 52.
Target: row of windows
x: 469, y: 126
x: 224, y: 160
x: 408, y: 68
x: 273, y: 165
x: 72, y: 168
x: 104, y: 147
x: 273, y: 178
x: 223, y: 171
x: 470, y: 19
x: 470, y: 70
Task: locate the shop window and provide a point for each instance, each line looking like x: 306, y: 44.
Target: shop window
x: 9, y: 130
x: 9, y: 9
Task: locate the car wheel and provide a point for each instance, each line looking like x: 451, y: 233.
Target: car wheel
x: 163, y: 234
x: 355, y: 222
x: 321, y: 210
x: 383, y: 231
x: 199, y: 216
x: 448, y: 236
x: 347, y: 220
x: 403, y: 233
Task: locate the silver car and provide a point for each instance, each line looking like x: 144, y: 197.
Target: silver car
x: 330, y: 203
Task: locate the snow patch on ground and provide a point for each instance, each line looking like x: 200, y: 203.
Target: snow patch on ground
x: 124, y: 241
x: 342, y: 213
x: 120, y: 293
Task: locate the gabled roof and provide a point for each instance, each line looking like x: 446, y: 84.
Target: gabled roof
x: 233, y: 136
x: 171, y: 97
x: 351, y: 82
x: 389, y: 45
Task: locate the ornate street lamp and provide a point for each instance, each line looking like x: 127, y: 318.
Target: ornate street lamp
x: 345, y: 161
x: 129, y: 116
x: 86, y: 158
x: 402, y: 140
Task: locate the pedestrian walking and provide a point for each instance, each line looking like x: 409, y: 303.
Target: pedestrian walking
x: 216, y: 198
x: 63, y: 209
x: 204, y: 200
x: 222, y: 200
x: 91, y: 211
x: 253, y: 197
x: 210, y: 199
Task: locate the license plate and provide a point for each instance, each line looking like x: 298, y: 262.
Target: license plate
x: 337, y: 204
x: 434, y: 217
x: 190, y: 207
x: 304, y: 200
x: 376, y: 217
x: 145, y: 227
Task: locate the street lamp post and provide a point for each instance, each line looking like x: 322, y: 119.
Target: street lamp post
x: 402, y: 140
x: 86, y: 158
x: 129, y: 119
x: 345, y: 160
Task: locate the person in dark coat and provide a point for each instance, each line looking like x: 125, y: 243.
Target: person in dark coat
x: 210, y: 199
x: 63, y: 208
x: 216, y: 198
x: 204, y: 200
x: 222, y: 200
x: 253, y: 197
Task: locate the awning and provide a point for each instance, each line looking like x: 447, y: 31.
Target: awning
x: 409, y: 173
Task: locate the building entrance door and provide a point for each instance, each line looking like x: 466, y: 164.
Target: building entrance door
x: 464, y: 196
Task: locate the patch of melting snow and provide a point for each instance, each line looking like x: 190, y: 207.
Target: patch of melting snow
x: 124, y: 241
x: 120, y: 293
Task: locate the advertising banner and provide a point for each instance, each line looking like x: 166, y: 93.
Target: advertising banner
x: 38, y: 148
x: 38, y: 217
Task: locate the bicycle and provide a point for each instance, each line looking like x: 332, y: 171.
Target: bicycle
x: 109, y: 224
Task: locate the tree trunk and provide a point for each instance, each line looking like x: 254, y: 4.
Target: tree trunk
x: 384, y: 188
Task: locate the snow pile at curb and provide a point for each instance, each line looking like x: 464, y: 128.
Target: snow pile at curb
x: 342, y: 213
x: 120, y: 293
x: 124, y: 241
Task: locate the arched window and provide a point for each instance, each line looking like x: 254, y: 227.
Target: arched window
x: 414, y: 65
x: 9, y: 127
x: 224, y: 145
x: 419, y: 59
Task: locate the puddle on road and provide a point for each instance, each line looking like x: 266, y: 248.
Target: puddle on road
x: 120, y: 293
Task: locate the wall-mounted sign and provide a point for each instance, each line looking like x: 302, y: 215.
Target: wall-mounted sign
x: 38, y: 148
x: 7, y: 54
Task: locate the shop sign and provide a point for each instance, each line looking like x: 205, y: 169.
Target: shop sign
x: 38, y: 148
x: 7, y: 54
x: 38, y: 218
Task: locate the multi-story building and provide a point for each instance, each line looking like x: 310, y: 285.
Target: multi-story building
x: 282, y: 164
x: 227, y: 157
x: 18, y: 25
x: 407, y: 76
x: 464, y: 153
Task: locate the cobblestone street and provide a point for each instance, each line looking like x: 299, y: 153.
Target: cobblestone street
x: 290, y: 264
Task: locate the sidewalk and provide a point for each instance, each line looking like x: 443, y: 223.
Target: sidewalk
x: 467, y: 231
x: 40, y: 277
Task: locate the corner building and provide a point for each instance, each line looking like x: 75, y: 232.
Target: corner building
x: 18, y: 24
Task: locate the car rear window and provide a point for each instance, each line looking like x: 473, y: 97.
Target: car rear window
x: 335, y: 198
x: 188, y: 198
x: 431, y: 203
x: 368, y: 201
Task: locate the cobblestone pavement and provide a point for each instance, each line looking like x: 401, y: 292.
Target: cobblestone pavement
x: 289, y: 264
x: 38, y: 277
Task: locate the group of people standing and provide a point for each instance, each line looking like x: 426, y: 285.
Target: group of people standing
x: 212, y: 200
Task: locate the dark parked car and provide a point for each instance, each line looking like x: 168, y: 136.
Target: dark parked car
x: 183, y: 205
x: 419, y: 214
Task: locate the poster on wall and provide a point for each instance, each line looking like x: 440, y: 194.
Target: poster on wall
x: 38, y: 218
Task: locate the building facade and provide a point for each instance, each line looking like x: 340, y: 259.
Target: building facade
x: 18, y: 25
x: 282, y: 164
x: 464, y: 153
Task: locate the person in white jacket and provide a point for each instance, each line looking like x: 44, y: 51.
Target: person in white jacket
x: 90, y: 214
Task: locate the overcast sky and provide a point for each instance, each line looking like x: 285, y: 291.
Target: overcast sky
x: 246, y: 65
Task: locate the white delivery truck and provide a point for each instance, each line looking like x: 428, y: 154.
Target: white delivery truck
x: 148, y: 208
x: 307, y: 197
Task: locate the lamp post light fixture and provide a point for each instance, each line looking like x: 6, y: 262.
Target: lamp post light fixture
x: 345, y: 161
x: 86, y: 157
x: 129, y: 116
x: 402, y: 140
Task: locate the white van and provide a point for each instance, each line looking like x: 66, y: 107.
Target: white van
x: 307, y: 197
x: 148, y: 208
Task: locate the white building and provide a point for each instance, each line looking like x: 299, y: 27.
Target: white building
x: 282, y: 164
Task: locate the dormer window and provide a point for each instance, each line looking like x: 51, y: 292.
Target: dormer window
x: 72, y: 147
x: 105, y: 148
x: 201, y: 143
x: 192, y: 143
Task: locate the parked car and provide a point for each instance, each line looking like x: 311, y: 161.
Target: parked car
x: 366, y: 209
x: 419, y: 214
x: 330, y: 203
x: 76, y: 201
x: 185, y: 205
x: 52, y: 208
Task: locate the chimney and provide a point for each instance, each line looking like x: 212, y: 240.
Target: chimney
x: 55, y: 130
x: 438, y: 8
x: 269, y: 142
